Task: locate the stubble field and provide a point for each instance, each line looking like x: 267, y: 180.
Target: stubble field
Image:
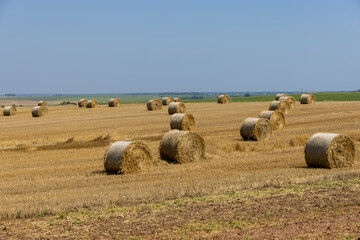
x: 54, y: 165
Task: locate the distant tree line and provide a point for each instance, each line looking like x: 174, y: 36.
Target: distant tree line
x: 194, y: 97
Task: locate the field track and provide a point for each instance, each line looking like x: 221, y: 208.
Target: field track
x: 54, y: 164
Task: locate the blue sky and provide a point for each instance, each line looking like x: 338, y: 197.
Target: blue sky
x: 88, y: 46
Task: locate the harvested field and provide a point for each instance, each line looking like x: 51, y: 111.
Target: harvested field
x: 55, y: 164
x: 311, y: 211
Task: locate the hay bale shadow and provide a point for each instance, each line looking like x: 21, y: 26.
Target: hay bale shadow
x: 104, y: 172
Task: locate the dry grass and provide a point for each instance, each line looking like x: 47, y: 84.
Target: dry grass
x: 55, y: 164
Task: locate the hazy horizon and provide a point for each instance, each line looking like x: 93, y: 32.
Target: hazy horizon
x: 175, y: 93
x: 79, y: 47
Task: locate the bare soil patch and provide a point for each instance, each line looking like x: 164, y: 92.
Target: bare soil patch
x: 323, y: 210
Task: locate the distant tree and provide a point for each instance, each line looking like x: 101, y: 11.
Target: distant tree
x: 196, y: 97
x: 247, y: 95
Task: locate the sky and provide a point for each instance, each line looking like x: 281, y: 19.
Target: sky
x: 114, y: 46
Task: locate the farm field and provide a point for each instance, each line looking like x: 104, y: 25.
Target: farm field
x: 103, y: 99
x: 52, y: 178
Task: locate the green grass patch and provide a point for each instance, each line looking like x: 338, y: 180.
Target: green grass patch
x: 330, y: 96
x: 138, y: 98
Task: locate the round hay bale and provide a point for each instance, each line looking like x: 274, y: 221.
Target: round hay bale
x: 279, y: 95
x: 282, y: 106
x: 224, y: 99
x: 42, y: 103
x: 9, y: 111
x: 92, y: 104
x: 114, y: 102
x: 182, y: 121
x: 167, y: 100
x: 39, y: 111
x: 176, y: 107
x: 293, y: 101
x: 307, y: 99
x: 228, y: 98
x: 82, y: 103
x: 182, y: 146
x: 276, y: 118
x: 329, y: 150
x: 128, y: 157
x: 256, y: 129
x: 289, y: 99
x: 177, y: 99
x: 154, y: 104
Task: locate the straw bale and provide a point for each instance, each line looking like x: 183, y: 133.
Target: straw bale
x: 9, y: 111
x: 176, y: 107
x: 182, y: 147
x: 282, y: 106
x: 114, y: 102
x: 289, y: 99
x: 82, y: 102
x: 167, y: 100
x: 39, y: 111
x: 42, y: 103
x: 128, y: 157
x: 307, y: 99
x: 276, y: 118
x: 329, y: 150
x: 279, y: 95
x: 154, y: 104
x: 256, y: 129
x: 224, y: 99
x: 182, y: 121
x: 92, y: 104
